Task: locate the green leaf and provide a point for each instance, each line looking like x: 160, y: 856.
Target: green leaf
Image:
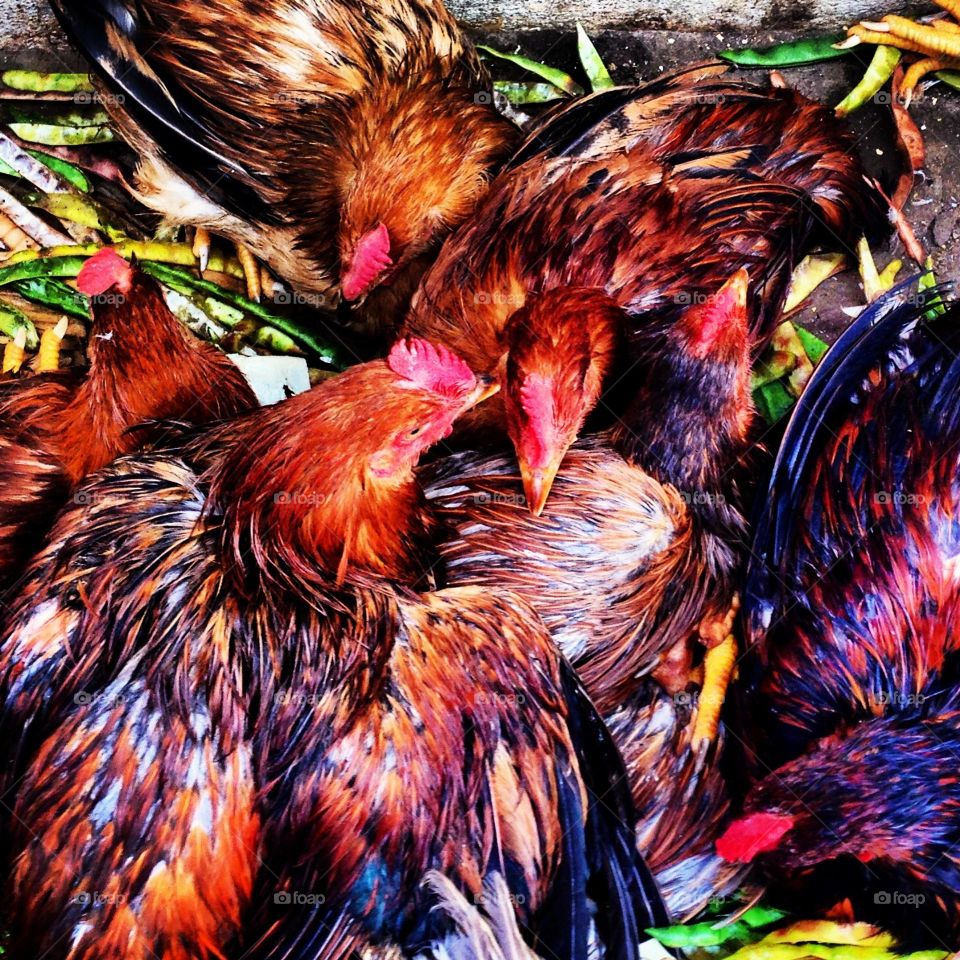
x: 791, y: 54
x: 593, y: 66
x: 551, y: 74
x: 521, y: 93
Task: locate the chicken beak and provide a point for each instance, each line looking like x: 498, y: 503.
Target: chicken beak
x: 486, y: 387
x: 538, y: 483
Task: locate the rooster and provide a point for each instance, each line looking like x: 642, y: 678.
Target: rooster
x: 238, y: 729
x: 621, y: 213
x: 338, y: 141
x: 57, y: 427
x: 627, y: 565
x: 851, y: 696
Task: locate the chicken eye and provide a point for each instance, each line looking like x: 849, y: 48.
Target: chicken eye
x: 414, y: 431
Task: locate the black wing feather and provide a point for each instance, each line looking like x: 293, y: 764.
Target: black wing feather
x: 184, y: 140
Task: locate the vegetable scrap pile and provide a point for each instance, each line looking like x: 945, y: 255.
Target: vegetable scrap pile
x: 63, y: 197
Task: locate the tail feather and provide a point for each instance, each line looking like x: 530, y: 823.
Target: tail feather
x: 620, y: 883
x: 893, y: 327
x: 107, y: 33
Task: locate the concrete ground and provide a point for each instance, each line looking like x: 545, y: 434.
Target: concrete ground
x: 934, y: 208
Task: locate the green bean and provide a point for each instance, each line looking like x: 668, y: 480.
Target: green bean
x: 72, y: 174
x: 794, y: 53
x: 551, y: 74
x: 950, y: 77
x: 593, y: 65
x: 34, y: 82
x: 705, y: 934
x: 52, y: 135
x: 12, y: 320
x: 521, y: 93
x: 63, y: 118
x: 306, y: 338
x: 879, y: 71
x: 76, y: 209
x: 269, y: 338
x: 760, y: 915
x: 40, y: 267
x: 53, y: 293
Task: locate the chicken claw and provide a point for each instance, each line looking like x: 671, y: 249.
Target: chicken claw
x: 718, y: 666
x: 48, y: 356
x: 251, y: 271
x: 14, y: 351
x: 201, y: 247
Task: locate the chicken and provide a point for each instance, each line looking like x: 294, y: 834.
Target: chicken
x: 621, y: 213
x: 338, y: 141
x: 237, y: 729
x: 851, y: 692
x: 57, y: 427
x: 626, y: 566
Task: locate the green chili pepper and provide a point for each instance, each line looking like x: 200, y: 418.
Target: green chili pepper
x: 33, y: 82
x: 521, y: 93
x: 593, y: 65
x: 879, y: 71
x: 53, y: 293
x: 791, y: 54
x: 12, y: 320
x: 551, y: 74
x: 306, y: 338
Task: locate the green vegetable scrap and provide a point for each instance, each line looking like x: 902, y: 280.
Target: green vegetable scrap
x: 879, y: 71
x: 593, y: 65
x: 551, y: 74
x: 32, y: 82
x: 795, y: 53
x: 12, y: 320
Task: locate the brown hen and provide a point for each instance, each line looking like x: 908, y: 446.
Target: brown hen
x: 339, y: 141
x: 56, y: 428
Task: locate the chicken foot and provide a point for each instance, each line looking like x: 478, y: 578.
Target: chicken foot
x: 716, y: 633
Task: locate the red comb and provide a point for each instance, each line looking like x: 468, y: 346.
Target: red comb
x: 104, y: 270
x: 757, y: 833
x: 370, y: 258
x: 430, y: 367
x: 537, y: 401
x: 722, y: 320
